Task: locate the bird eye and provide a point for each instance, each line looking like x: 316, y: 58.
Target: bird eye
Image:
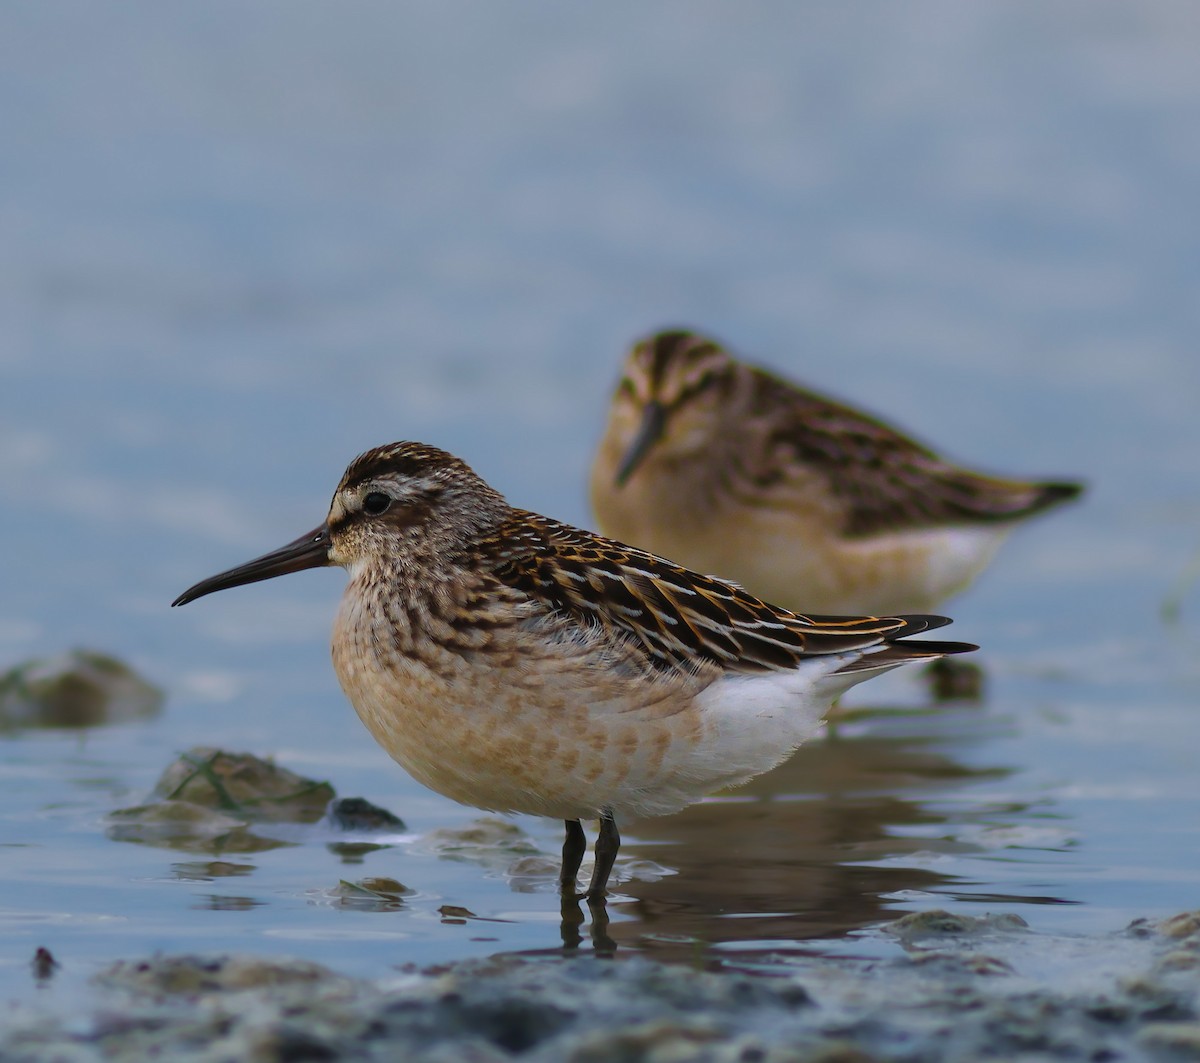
x: 376, y: 502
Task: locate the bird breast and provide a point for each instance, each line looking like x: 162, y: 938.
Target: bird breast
x: 537, y: 721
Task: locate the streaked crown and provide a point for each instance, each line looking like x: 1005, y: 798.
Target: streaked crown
x: 672, y: 367
x: 407, y: 495
x: 673, y: 398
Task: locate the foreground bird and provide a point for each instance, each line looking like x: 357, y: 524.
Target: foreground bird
x: 521, y: 665
x: 799, y: 499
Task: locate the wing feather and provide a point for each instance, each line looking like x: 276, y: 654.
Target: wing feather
x: 679, y: 619
x: 885, y: 481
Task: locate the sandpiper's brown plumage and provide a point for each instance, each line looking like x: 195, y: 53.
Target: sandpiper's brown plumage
x: 802, y: 500
x: 518, y: 664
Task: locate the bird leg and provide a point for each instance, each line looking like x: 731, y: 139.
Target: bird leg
x: 574, y: 847
x: 608, y: 844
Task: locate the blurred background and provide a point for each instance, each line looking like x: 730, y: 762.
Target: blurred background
x: 241, y: 243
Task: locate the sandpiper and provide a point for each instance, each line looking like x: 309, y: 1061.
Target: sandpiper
x: 802, y: 500
x: 517, y: 664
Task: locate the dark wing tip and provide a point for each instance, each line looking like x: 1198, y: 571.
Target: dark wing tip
x: 905, y: 652
x: 1060, y: 491
x: 930, y: 648
x: 917, y: 622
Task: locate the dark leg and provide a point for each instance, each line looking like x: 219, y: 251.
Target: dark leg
x: 574, y: 847
x: 608, y: 844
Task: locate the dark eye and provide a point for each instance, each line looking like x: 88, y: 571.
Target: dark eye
x: 376, y: 502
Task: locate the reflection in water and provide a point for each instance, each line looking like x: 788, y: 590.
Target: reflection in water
x: 169, y: 825
x: 571, y: 927
x: 887, y: 806
x: 215, y: 902
x: 953, y: 680
x: 207, y: 870
x: 371, y: 895
x: 814, y: 849
x: 354, y: 852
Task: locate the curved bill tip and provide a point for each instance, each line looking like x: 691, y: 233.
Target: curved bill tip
x: 654, y: 420
x: 309, y: 551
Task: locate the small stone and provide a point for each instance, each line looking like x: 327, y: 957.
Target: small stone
x: 372, y: 894
x: 839, y: 1052
x: 1179, y: 960
x: 486, y: 832
x: 664, y: 1041
x: 188, y: 974
x: 973, y: 963
x: 244, y: 785
x: 76, y: 689
x: 207, y: 870
x: 1180, y: 1037
x: 358, y: 814
x: 44, y: 965
x: 533, y: 868
x: 1183, y: 925
x: 454, y: 913
x: 939, y: 922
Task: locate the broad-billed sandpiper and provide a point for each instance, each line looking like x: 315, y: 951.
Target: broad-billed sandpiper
x: 517, y: 664
x: 802, y: 500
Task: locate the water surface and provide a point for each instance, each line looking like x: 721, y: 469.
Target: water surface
x: 240, y: 245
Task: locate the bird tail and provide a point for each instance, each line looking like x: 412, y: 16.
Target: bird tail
x: 894, y: 654
x: 1052, y: 493
x: 898, y: 648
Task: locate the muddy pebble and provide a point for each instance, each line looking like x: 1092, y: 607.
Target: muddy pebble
x: 943, y: 924
x: 163, y: 976
x: 371, y: 895
x: 209, y: 800
x: 485, y: 834
x: 80, y: 688
x: 1181, y: 1039
x: 242, y: 784
x: 357, y: 814
x: 489, y: 841
x: 1184, y: 925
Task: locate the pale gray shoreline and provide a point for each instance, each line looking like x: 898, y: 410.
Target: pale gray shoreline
x: 962, y: 988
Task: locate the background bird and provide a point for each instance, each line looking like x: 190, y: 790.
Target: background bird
x: 802, y: 500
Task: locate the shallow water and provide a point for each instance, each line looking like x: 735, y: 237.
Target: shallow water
x: 239, y: 245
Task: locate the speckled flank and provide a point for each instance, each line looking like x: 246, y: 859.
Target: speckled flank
x: 554, y: 747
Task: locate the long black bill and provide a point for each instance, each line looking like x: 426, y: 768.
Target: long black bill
x: 654, y: 420
x: 309, y: 551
